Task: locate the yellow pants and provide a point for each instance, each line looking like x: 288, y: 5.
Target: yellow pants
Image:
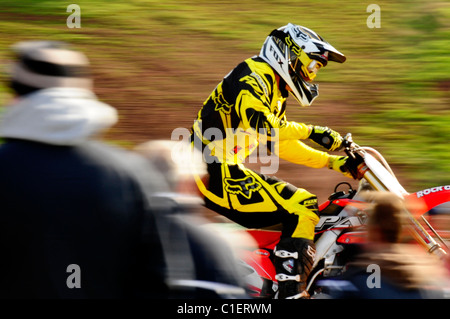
x: 255, y: 200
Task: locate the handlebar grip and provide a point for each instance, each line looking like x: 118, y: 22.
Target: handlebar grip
x: 353, y: 162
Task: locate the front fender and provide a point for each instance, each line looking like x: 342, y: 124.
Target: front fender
x: 425, y: 200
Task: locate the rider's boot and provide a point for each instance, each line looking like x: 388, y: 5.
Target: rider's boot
x: 293, y: 259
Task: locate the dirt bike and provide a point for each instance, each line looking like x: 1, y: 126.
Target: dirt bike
x: 341, y: 228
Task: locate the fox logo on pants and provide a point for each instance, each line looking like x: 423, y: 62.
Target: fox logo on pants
x: 243, y: 186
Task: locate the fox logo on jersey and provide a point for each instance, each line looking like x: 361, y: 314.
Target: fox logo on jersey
x: 221, y: 104
x: 243, y: 186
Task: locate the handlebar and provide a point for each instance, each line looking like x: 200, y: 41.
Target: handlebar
x: 355, y: 159
x: 348, y: 141
x: 350, y: 147
x: 356, y: 154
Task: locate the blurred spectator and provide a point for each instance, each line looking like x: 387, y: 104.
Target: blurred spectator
x: 405, y: 271
x: 82, y: 219
x: 76, y: 220
x: 201, y: 257
x: 178, y: 162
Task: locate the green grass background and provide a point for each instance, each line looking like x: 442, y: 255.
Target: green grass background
x: 392, y: 93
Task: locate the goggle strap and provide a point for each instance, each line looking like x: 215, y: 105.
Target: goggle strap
x: 279, y: 35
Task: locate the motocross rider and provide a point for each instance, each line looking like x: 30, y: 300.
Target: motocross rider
x: 248, y: 106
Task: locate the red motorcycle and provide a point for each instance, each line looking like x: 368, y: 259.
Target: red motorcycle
x: 341, y: 228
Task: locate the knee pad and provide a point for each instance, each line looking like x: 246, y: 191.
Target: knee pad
x: 304, y: 211
x: 303, y: 200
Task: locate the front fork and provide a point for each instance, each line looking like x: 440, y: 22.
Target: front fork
x: 416, y: 229
x: 424, y: 238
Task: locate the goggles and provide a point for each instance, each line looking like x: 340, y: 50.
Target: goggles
x: 302, y: 65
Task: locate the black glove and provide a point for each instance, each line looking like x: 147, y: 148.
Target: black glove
x: 346, y: 165
x: 340, y: 164
x: 326, y: 137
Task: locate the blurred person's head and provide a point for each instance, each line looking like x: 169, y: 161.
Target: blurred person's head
x: 296, y: 54
x: 178, y: 161
x: 47, y: 64
x: 54, y: 102
x: 385, y: 222
x: 403, y: 266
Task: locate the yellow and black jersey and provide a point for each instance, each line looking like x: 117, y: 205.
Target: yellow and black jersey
x: 247, y: 106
